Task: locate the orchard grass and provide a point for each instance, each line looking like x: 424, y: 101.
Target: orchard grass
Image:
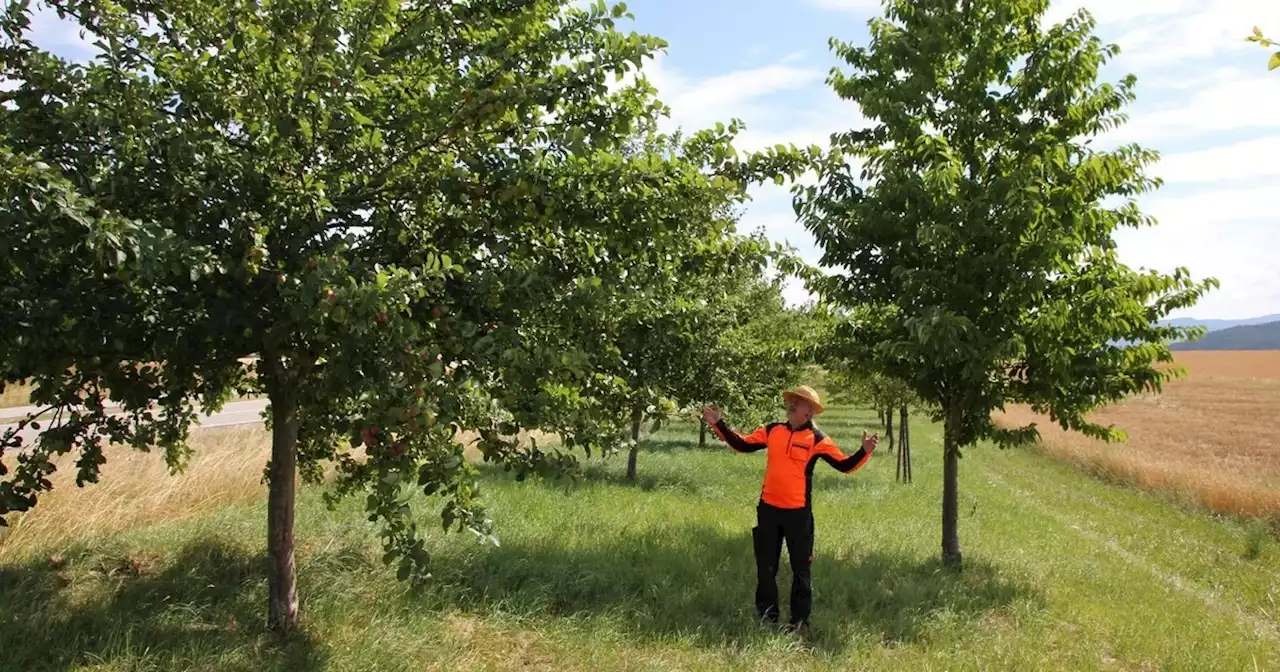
x: 1061, y: 572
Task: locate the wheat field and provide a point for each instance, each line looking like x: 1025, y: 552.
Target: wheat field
x: 1211, y: 438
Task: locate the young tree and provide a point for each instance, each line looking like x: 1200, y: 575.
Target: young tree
x: 761, y: 350
x: 656, y: 320
x: 860, y: 383
x: 863, y: 385
x: 670, y: 332
x: 391, y: 205
x: 980, y: 234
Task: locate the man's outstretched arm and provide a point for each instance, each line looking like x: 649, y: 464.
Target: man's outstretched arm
x: 749, y: 444
x: 827, y: 450
x: 756, y: 441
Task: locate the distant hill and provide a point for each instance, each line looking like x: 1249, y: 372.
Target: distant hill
x: 1244, y: 337
x: 1218, y: 325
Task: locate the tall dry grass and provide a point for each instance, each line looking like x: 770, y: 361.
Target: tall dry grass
x: 15, y: 395
x: 1211, y: 438
x: 136, y: 490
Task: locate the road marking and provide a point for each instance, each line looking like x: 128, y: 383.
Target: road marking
x: 233, y: 414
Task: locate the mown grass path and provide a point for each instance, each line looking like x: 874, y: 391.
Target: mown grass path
x: 1062, y: 572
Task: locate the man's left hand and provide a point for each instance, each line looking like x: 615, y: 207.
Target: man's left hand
x: 869, y: 442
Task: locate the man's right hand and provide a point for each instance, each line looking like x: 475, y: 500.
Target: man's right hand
x: 711, y: 416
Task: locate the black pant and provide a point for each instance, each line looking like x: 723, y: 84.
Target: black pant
x: 773, y: 525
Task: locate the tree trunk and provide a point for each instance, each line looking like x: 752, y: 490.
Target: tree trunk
x: 950, y: 493
x: 899, y: 470
x: 282, y: 597
x: 637, y: 416
x: 702, y: 434
x: 888, y: 428
x: 904, y: 442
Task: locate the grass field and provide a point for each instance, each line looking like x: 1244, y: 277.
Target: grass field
x: 1211, y: 439
x: 1062, y: 572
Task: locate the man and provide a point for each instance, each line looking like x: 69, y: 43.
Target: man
x: 784, y: 511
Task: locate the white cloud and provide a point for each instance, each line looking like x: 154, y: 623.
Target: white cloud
x: 1194, y: 79
x: 786, y: 102
x: 1238, y: 162
x: 1169, y: 34
x: 1232, y: 213
x: 771, y: 210
x: 61, y: 36
x: 1150, y: 32
x: 794, y: 292
x: 725, y: 93
x: 1232, y: 234
x: 1199, y: 30
x: 1235, y: 104
x: 815, y: 129
x: 1111, y: 12
x: 700, y: 103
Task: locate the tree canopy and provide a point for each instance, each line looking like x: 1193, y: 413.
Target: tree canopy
x: 400, y: 213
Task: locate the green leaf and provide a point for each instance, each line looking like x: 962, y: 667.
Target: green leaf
x: 1274, y: 62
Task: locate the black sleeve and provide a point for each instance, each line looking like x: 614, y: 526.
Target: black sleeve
x: 735, y: 441
x: 848, y: 464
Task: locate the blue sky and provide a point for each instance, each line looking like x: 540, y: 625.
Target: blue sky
x: 1205, y: 101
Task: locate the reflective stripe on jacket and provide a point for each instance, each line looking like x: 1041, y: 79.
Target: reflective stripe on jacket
x: 791, y: 456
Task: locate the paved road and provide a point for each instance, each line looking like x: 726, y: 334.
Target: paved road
x: 235, y: 413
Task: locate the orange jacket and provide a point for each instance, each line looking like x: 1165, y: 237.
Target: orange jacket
x: 792, y: 454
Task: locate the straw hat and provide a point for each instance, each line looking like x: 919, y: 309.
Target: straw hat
x: 804, y: 393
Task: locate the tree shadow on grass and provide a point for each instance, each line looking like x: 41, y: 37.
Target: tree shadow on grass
x: 668, y: 445
x: 203, y: 605
x: 696, y: 583
x: 610, y: 471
